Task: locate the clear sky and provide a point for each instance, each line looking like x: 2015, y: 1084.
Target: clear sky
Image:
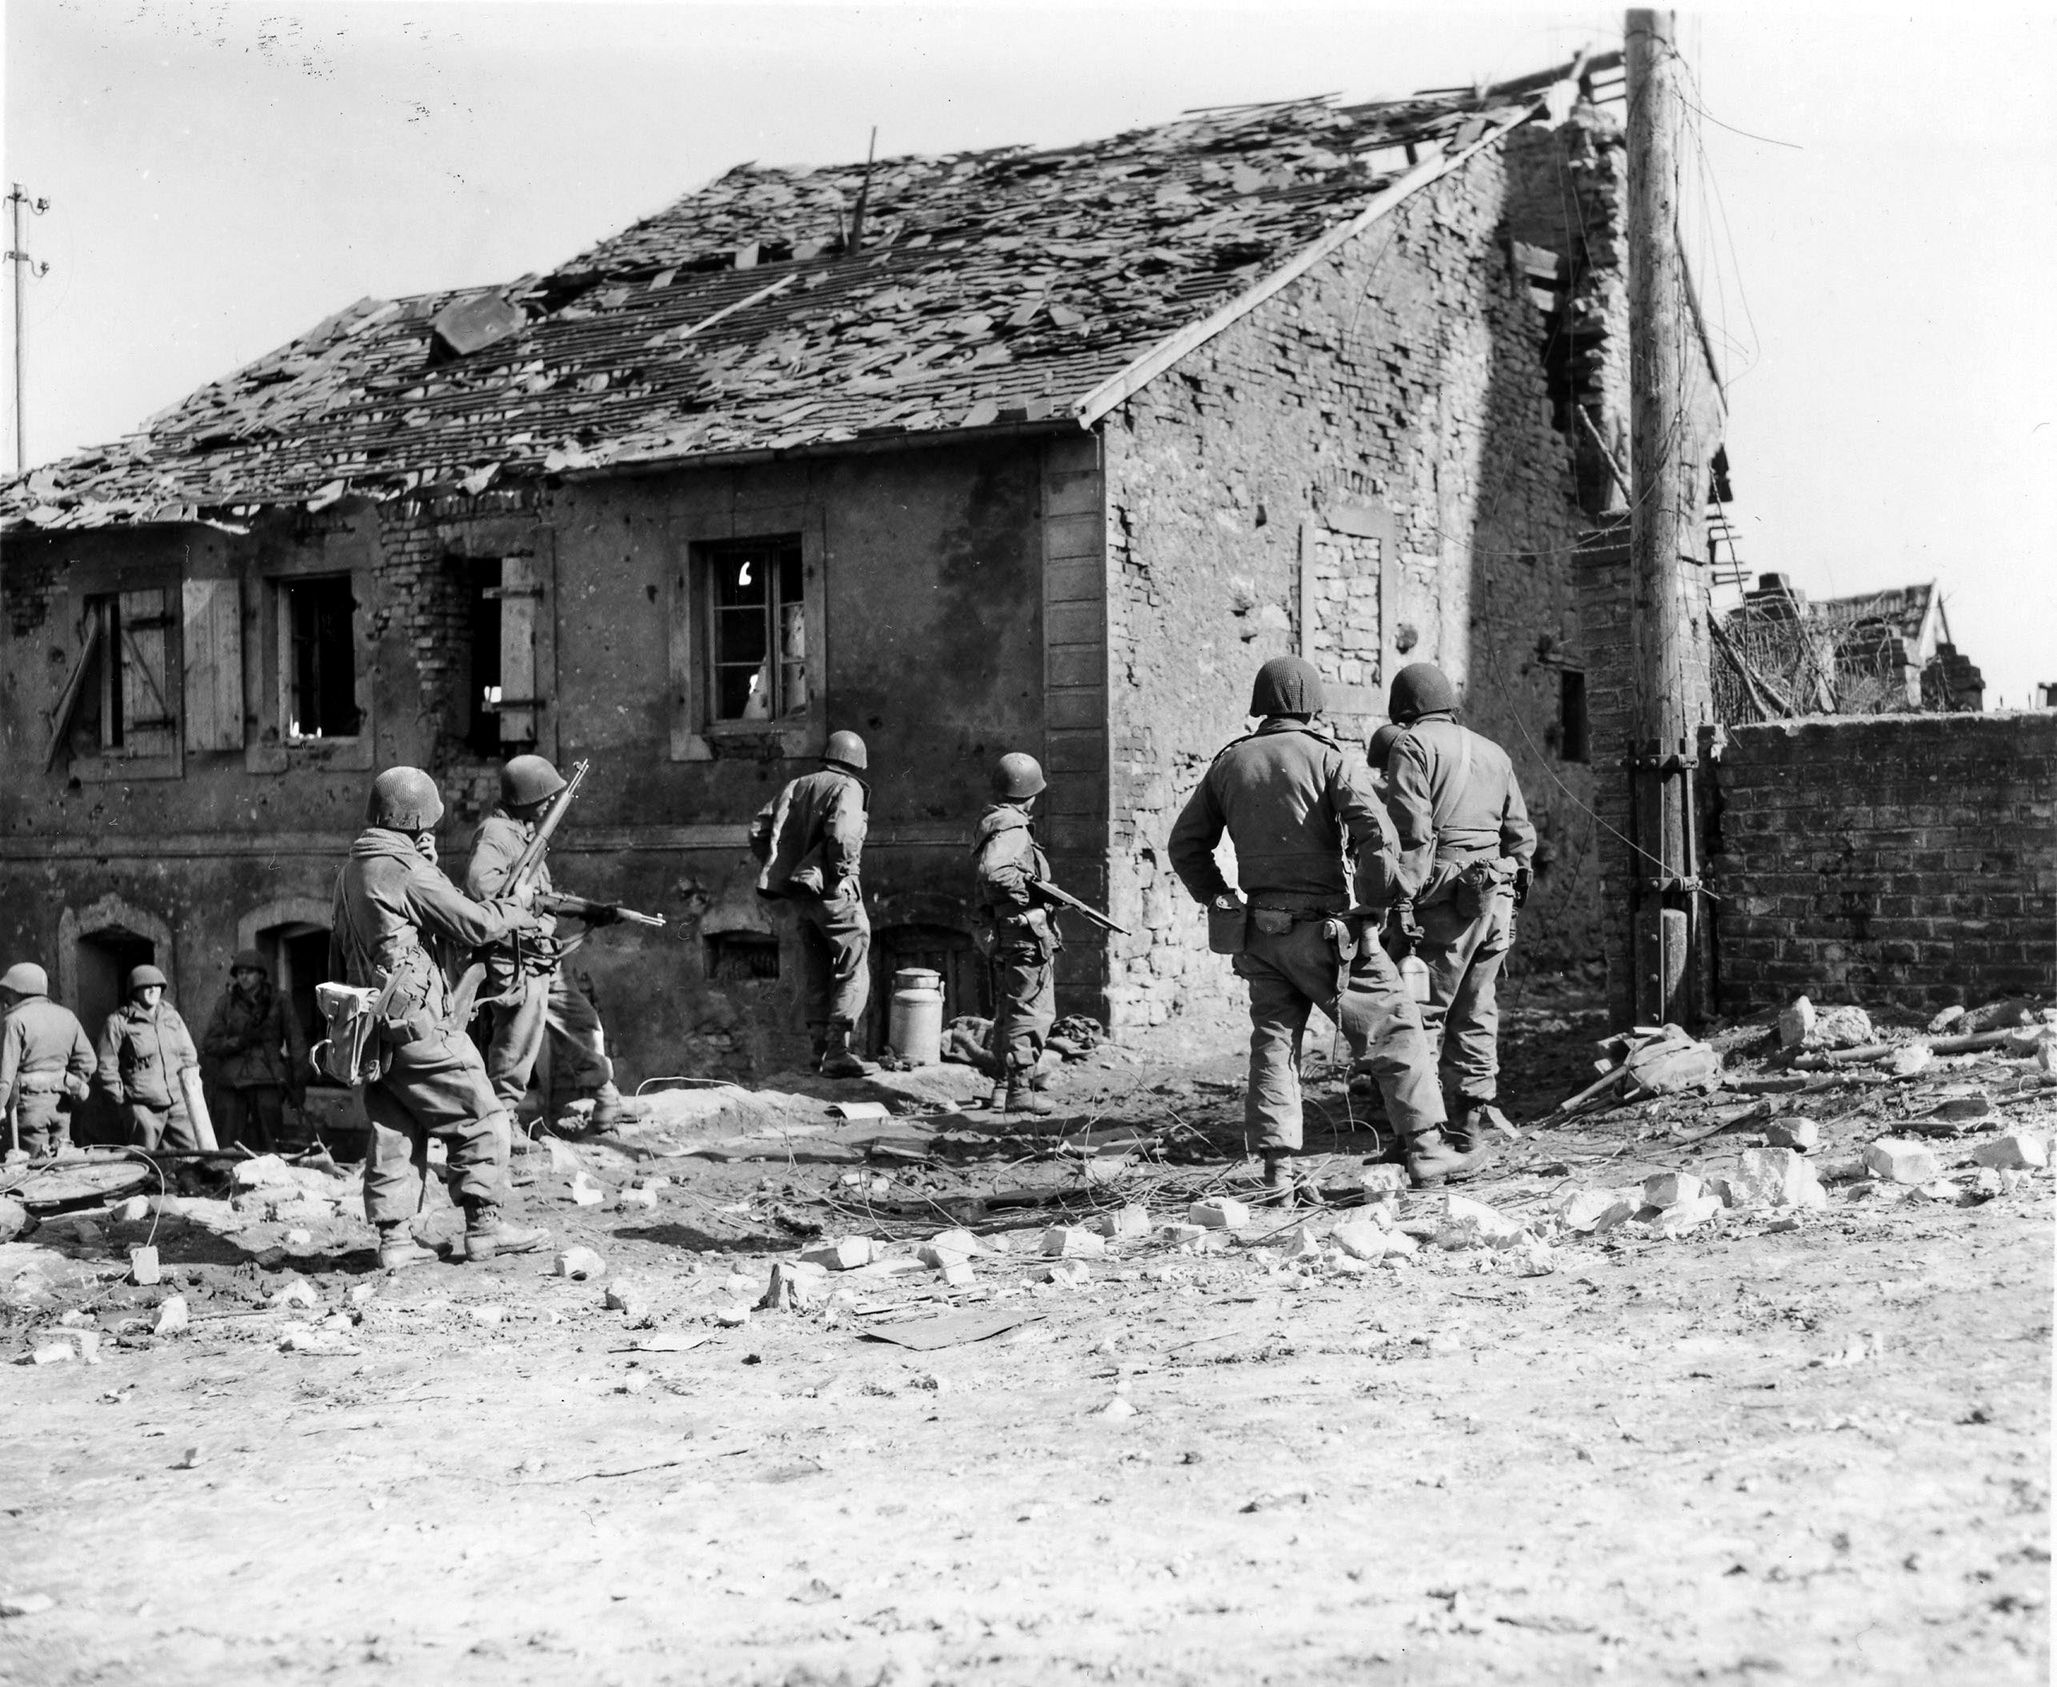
x: 1876, y: 233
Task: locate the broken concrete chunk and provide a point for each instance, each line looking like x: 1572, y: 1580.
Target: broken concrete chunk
x: 1909, y: 1058
x: 299, y: 1292
x: 1960, y: 1107
x: 1798, y: 1133
x: 1682, y: 1216
x: 261, y: 1172
x: 51, y: 1353
x: 2015, y: 1151
x: 1533, y: 1259
x: 1999, y: 1016
x: 581, y: 1265
x: 1218, y: 1213
x: 1672, y: 1189
x: 172, y: 1315
x: 1067, y: 1241
x: 1181, y: 1235
x: 1898, y: 1159
x: 846, y: 1253
x: 795, y: 1286
x: 947, y: 1248
x: 1840, y: 1028
x: 1775, y: 1177
x: 1384, y: 1180
x: 1467, y: 1223
x: 958, y: 1274
x: 132, y: 1211
x: 1587, y: 1210
x: 1130, y: 1221
x: 1361, y: 1239
x: 585, y: 1192
x: 1796, y: 1023
x: 143, y: 1266
x: 620, y: 1294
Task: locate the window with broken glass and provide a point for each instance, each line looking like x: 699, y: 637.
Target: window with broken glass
x: 757, y: 630
x: 318, y: 658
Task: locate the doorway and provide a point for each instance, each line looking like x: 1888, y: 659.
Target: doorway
x: 102, y: 961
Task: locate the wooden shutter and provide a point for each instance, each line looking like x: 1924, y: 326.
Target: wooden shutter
x: 521, y: 595
x: 686, y: 664
x: 214, y: 664
x: 147, y: 717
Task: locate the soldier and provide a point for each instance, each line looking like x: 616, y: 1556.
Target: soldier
x: 1290, y: 803
x: 1021, y: 940
x: 1466, y: 844
x: 393, y: 907
x: 810, y: 838
x: 259, y: 1056
x: 144, y: 1048
x: 534, y: 997
x: 46, y: 1063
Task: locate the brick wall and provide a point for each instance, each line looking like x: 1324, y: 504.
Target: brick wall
x: 1364, y: 471
x: 1886, y: 859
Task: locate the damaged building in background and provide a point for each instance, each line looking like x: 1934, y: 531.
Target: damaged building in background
x: 1037, y: 450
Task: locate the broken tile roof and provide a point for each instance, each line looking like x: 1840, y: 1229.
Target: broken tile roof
x: 764, y: 313
x: 1904, y: 608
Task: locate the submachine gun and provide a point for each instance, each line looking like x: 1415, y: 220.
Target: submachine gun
x: 522, y: 875
x: 1044, y: 890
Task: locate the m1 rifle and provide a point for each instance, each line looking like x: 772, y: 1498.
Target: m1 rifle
x: 519, y: 878
x: 594, y: 913
x: 1049, y: 893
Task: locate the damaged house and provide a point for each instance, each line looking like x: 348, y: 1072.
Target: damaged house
x: 1023, y: 449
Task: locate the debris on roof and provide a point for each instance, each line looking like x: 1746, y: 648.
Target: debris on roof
x: 992, y: 287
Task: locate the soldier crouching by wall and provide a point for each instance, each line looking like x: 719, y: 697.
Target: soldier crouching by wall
x: 393, y: 906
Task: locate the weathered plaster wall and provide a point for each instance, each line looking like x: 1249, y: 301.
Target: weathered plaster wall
x: 926, y: 588
x: 1363, y: 470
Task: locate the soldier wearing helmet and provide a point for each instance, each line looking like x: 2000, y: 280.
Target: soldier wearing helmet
x: 144, y: 1049
x: 258, y: 1056
x: 46, y: 1061
x: 810, y: 838
x: 1020, y: 936
x: 1294, y: 806
x: 395, y: 921
x: 532, y: 997
x: 1466, y: 845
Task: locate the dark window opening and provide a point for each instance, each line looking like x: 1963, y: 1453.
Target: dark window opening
x: 742, y: 957
x: 757, y: 629
x: 1571, y: 716
x: 482, y: 588
x: 322, y: 650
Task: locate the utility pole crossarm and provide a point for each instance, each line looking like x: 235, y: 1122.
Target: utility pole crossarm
x: 24, y: 266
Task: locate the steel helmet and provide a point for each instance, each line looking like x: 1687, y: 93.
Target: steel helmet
x: 140, y: 976
x: 251, y: 959
x: 25, y: 978
x: 1380, y: 748
x: 529, y: 779
x: 1287, y: 685
x: 1420, y: 689
x: 404, y: 799
x: 1017, y: 777
x: 846, y: 749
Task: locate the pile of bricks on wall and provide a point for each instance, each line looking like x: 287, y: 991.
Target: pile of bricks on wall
x: 1904, y: 860
x: 1386, y: 413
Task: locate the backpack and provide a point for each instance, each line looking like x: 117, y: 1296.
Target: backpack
x: 351, y: 1053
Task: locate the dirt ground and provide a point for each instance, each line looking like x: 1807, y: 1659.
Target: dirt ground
x: 1802, y: 1447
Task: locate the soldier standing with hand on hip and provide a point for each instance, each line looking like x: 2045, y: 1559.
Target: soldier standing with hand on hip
x: 1466, y: 844
x: 810, y: 838
x: 1293, y: 804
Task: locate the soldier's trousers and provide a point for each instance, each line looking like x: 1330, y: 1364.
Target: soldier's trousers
x: 43, y: 1121
x: 1462, y: 1013
x: 1292, y: 973
x: 254, y: 1117
x: 835, y: 958
x: 1024, y: 1004
x: 160, y: 1127
x: 554, y: 1007
x: 433, y: 1087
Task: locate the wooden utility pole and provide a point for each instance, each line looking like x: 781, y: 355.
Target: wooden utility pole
x: 24, y: 267
x: 1668, y: 470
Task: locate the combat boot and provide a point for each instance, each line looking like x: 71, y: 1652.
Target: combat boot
x: 839, y: 1059
x: 488, y: 1234
x: 398, y: 1249
x: 1433, y: 1159
x: 1024, y: 1097
x: 611, y: 1107
x: 1472, y: 1124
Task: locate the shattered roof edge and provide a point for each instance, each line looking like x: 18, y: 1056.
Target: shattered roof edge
x: 1126, y: 383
